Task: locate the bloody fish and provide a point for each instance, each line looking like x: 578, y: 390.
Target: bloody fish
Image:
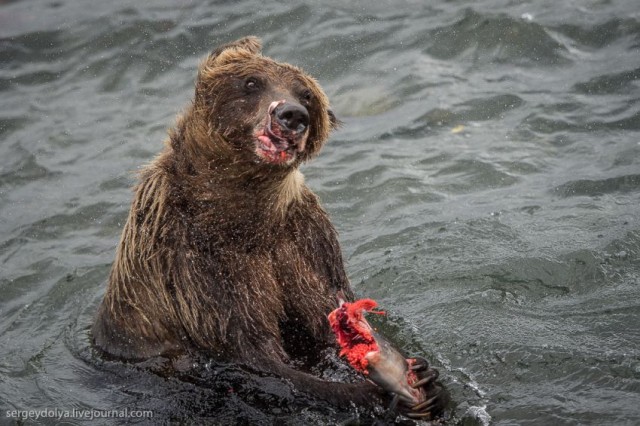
x: 369, y: 353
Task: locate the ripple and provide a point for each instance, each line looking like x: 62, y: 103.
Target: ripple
x: 474, y: 110
x: 620, y: 82
x: 11, y: 124
x: 497, y: 38
x: 479, y: 109
x: 473, y: 175
x: 41, y: 46
x: 602, y: 35
x: 549, y: 125
x: 587, y: 187
x: 24, y: 169
x: 60, y: 225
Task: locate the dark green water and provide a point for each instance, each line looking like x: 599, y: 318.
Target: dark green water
x: 486, y: 186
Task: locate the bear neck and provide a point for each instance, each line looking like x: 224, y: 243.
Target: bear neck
x: 213, y: 170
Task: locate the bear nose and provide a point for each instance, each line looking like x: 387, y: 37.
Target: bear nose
x: 292, y: 117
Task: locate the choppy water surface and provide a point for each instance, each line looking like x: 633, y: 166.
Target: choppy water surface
x: 486, y: 187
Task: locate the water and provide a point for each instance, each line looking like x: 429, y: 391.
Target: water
x: 485, y: 185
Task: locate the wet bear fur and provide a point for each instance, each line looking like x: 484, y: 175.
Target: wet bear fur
x: 226, y: 252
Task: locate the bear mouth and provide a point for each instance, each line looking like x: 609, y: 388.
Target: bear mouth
x: 276, y: 144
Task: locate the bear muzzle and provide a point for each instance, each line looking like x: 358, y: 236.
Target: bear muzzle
x: 284, y: 133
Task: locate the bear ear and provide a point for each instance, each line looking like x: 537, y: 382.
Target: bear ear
x: 250, y: 44
x: 244, y: 48
x: 334, y: 121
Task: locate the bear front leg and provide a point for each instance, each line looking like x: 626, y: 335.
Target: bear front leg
x: 363, y: 394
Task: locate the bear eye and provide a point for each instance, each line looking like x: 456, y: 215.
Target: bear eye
x: 307, y: 95
x: 251, y: 84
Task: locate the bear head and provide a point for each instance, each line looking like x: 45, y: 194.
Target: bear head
x: 265, y: 111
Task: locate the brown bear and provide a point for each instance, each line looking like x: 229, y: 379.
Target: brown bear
x: 226, y: 252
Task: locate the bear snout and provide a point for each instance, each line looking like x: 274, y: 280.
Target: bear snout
x: 291, y: 117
